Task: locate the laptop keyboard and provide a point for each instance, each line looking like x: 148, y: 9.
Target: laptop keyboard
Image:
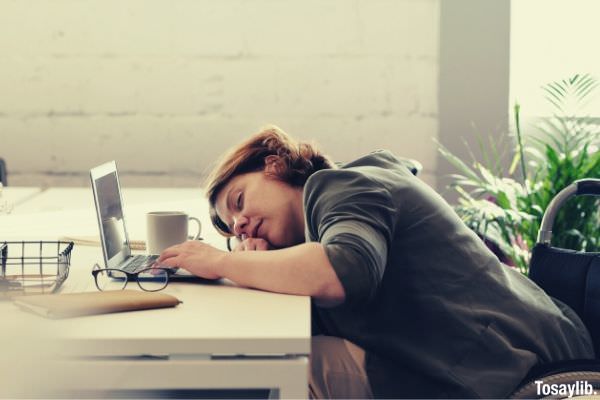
x: 139, y: 263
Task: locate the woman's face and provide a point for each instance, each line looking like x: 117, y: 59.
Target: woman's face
x: 259, y: 206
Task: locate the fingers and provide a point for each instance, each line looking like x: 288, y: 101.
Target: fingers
x: 253, y: 244
x: 168, y: 253
x: 157, y: 269
x: 262, y: 244
x: 178, y: 249
x: 241, y: 246
x: 198, y: 258
x: 171, y: 262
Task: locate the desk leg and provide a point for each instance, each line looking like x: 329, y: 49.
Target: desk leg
x: 288, y: 375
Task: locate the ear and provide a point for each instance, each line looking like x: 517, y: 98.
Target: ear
x: 272, y: 164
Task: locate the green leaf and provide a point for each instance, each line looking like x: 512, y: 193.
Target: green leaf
x: 535, y: 153
x: 457, y: 162
x: 559, y: 153
x: 487, y: 175
x: 502, y: 200
x: 552, y: 156
x: 514, y: 163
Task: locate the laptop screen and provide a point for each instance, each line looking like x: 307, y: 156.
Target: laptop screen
x: 111, y: 218
x: 111, y: 215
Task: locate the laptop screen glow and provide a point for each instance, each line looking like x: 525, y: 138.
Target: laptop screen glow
x: 111, y: 215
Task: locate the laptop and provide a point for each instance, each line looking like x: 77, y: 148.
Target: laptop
x: 116, y: 247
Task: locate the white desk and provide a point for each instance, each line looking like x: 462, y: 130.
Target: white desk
x: 222, y: 336
x: 15, y: 196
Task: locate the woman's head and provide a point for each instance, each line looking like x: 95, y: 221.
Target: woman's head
x: 256, y: 189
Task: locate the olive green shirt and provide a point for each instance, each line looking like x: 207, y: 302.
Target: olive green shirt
x: 435, y: 310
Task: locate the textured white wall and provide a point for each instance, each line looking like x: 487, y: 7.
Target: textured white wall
x: 164, y: 86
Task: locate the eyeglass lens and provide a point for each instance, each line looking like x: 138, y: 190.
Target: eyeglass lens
x: 152, y: 280
x: 111, y: 279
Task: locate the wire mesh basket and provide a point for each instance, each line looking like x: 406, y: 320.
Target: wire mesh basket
x: 33, y: 267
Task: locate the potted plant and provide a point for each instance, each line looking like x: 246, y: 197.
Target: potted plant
x: 505, y: 206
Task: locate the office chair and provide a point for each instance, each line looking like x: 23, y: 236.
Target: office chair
x: 572, y: 277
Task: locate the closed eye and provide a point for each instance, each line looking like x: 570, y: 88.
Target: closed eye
x: 239, y: 201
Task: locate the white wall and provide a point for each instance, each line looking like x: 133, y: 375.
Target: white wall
x: 546, y: 54
x: 473, y: 87
x: 164, y: 86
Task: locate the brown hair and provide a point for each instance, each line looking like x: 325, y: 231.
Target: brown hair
x: 296, y: 161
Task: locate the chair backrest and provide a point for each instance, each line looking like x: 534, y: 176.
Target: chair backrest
x: 570, y: 276
x: 3, y: 173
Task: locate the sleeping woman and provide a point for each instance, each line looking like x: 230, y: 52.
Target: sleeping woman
x: 407, y: 301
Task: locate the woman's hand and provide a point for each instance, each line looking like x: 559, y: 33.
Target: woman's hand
x: 199, y: 258
x: 251, y: 244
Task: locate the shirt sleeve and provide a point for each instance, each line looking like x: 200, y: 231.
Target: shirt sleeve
x: 353, y: 217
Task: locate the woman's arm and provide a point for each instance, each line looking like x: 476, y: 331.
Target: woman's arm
x: 303, y: 269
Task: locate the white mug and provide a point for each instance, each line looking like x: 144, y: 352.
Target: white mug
x: 167, y: 228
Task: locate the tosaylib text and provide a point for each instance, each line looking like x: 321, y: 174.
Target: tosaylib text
x: 577, y: 388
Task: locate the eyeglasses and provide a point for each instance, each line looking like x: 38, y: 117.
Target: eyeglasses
x: 150, y: 279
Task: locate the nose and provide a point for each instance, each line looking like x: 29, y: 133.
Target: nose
x: 240, y: 224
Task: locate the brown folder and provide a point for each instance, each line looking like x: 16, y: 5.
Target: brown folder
x: 92, y: 303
